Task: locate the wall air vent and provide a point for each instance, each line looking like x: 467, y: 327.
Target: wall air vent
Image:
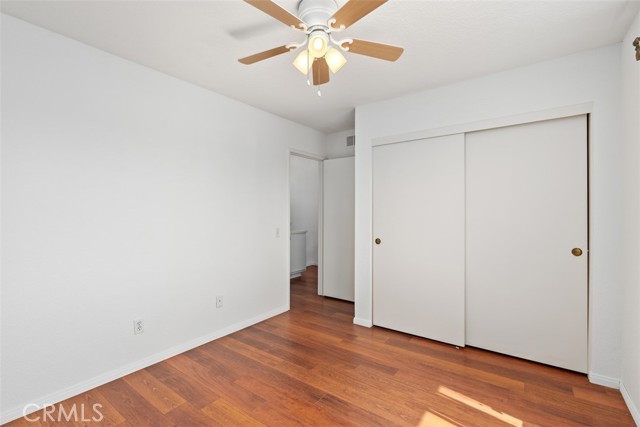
x: 351, y: 141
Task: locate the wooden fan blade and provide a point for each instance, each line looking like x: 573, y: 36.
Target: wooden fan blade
x: 376, y: 50
x: 354, y: 10
x: 275, y: 11
x: 264, y: 55
x: 320, y: 72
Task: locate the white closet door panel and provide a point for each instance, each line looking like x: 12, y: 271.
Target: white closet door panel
x: 418, y: 213
x: 339, y: 228
x: 526, y: 294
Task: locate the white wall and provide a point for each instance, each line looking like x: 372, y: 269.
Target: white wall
x: 337, y: 144
x: 592, y: 76
x: 127, y: 193
x: 630, y: 384
x: 304, y: 184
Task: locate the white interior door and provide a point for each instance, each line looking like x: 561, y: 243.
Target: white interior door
x: 339, y: 228
x: 418, y: 215
x: 526, y: 293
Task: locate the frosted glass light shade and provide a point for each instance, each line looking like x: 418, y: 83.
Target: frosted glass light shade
x: 318, y: 44
x: 335, y: 60
x: 302, y: 62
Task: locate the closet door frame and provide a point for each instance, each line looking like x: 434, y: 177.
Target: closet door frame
x: 284, y: 232
x: 493, y: 123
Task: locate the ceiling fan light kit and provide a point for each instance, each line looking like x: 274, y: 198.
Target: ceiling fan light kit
x: 335, y: 60
x: 303, y: 62
x: 319, y: 19
x: 318, y: 43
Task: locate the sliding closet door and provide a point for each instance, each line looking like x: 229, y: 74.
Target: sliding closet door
x: 418, y: 224
x: 526, y: 249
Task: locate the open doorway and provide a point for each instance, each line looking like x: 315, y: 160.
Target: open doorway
x: 305, y: 225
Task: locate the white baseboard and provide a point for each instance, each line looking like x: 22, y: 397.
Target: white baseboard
x: 604, y: 380
x: 635, y: 411
x: 84, y: 386
x: 362, y: 322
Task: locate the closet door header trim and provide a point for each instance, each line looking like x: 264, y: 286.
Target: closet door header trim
x: 534, y: 116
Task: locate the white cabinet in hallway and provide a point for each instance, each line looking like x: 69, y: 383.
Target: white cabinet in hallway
x: 298, y: 250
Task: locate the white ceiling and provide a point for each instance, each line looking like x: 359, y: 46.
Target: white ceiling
x: 444, y: 41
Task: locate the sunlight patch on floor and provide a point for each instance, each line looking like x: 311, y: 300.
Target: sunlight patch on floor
x: 432, y: 420
x: 506, y: 418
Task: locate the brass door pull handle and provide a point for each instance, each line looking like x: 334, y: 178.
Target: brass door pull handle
x: 576, y: 251
x: 378, y: 241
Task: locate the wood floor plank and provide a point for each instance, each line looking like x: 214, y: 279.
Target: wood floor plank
x: 252, y: 369
x: 598, y: 397
x: 313, y: 367
x: 425, y: 362
x: 315, y: 344
x: 294, y: 353
x: 558, y: 404
x: 132, y: 406
x: 226, y: 414
x: 259, y: 355
x: 238, y: 395
x: 106, y: 414
x: 188, y: 415
x: 287, y: 401
x: 350, y: 414
x: 197, y: 393
x: 154, y: 391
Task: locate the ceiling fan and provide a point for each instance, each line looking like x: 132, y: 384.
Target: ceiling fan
x: 319, y: 20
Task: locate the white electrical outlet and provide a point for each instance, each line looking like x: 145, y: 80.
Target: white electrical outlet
x: 219, y: 301
x: 138, y: 326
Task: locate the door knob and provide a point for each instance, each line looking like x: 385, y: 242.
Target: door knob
x: 576, y: 251
x: 378, y: 241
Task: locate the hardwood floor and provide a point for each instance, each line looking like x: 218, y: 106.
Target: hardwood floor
x: 313, y: 367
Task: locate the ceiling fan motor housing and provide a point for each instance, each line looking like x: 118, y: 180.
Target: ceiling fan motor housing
x: 313, y: 19
x: 316, y: 13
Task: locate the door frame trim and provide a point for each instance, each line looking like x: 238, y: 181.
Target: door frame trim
x: 320, y: 160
